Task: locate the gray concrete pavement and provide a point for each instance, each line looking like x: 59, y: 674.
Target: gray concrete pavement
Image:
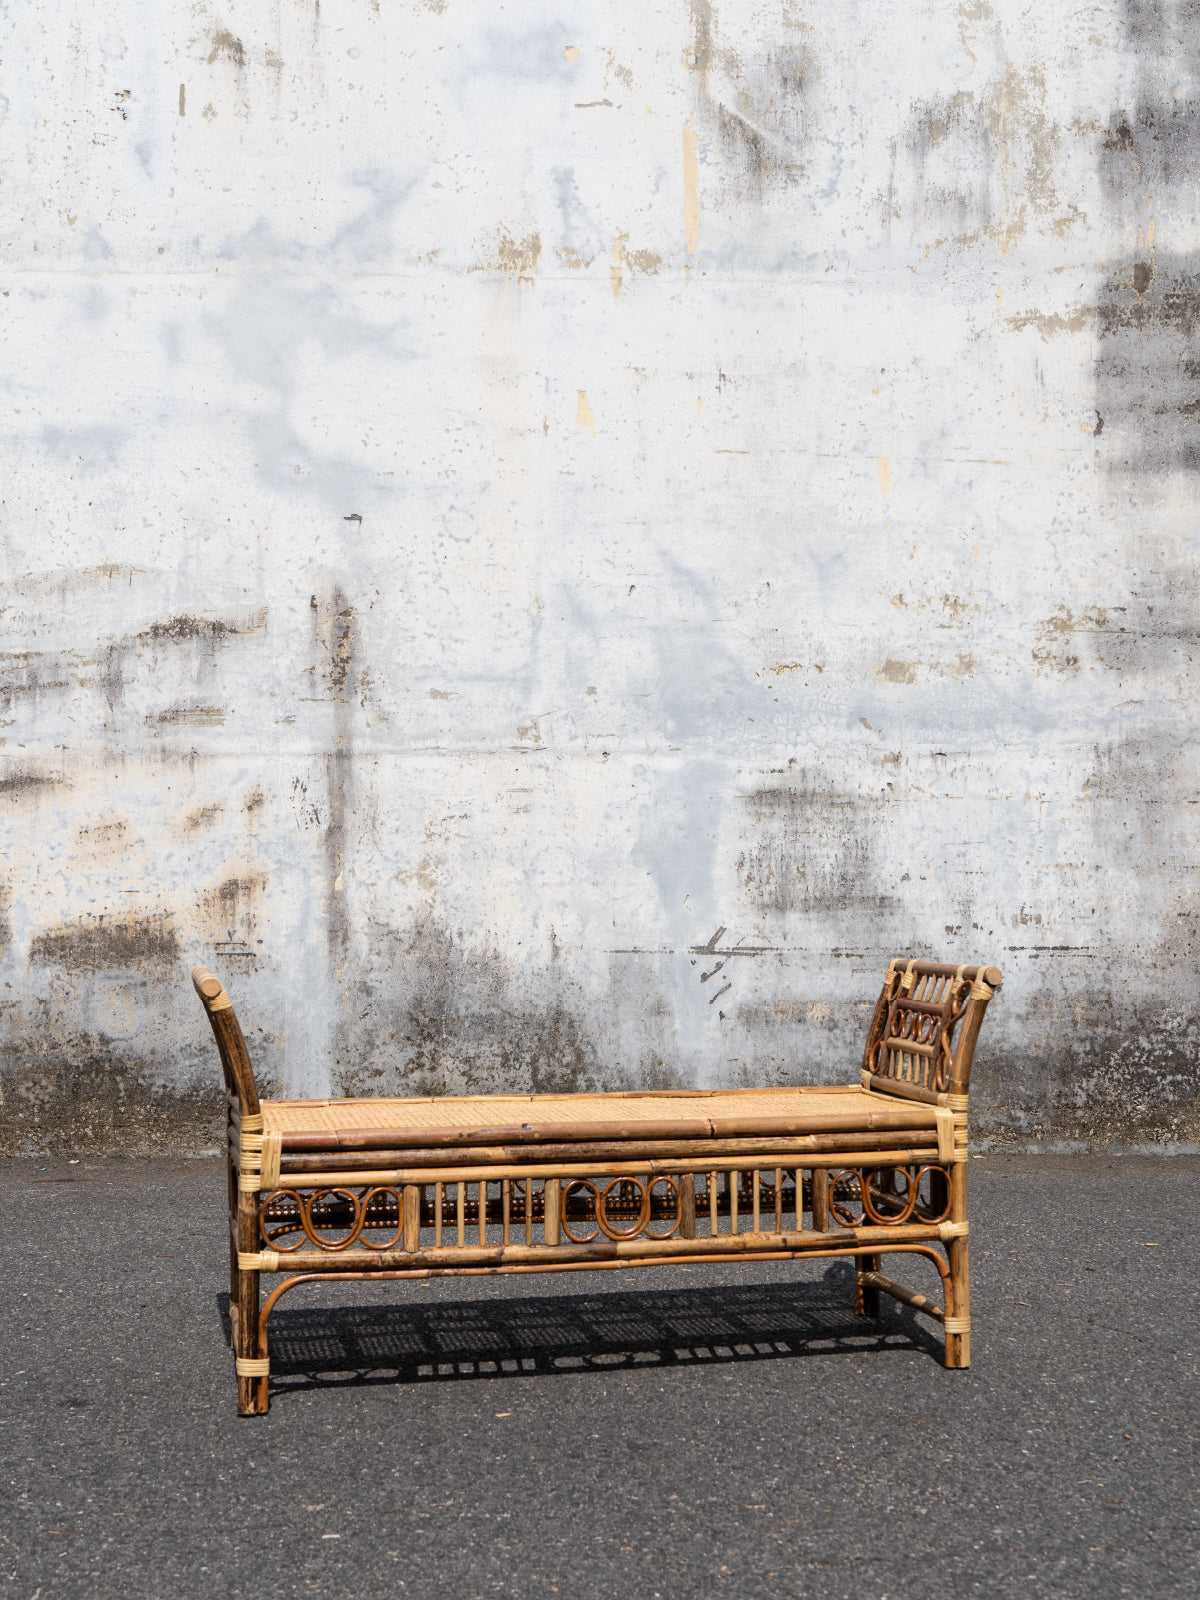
x: 719, y: 1431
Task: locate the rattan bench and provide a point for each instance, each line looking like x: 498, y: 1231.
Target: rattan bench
x: 327, y: 1189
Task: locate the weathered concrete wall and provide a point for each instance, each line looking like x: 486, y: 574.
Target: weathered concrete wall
x: 546, y: 547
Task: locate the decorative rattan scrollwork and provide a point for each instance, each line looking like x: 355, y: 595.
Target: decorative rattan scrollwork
x: 884, y: 1197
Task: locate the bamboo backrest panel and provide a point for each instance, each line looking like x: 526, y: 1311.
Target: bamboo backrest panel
x: 911, y: 1043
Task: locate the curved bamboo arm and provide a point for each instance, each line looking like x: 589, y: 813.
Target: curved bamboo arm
x: 235, y: 1058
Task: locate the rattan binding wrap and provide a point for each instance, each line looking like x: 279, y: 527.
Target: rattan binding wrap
x: 253, y: 1366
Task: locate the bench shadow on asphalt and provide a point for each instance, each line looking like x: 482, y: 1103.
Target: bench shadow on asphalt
x: 548, y: 1336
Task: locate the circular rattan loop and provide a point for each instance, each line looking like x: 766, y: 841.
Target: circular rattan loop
x: 273, y: 1231
x: 311, y: 1227
x: 925, y: 1214
x: 653, y: 1233
x: 387, y: 1244
x: 838, y: 1204
x: 580, y: 1238
x: 643, y: 1216
x: 905, y: 1200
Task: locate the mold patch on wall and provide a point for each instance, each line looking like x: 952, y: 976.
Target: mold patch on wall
x: 96, y: 944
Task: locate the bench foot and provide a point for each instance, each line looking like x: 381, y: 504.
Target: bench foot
x: 251, y: 1368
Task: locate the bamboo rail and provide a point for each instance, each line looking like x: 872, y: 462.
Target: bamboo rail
x: 583, y: 1169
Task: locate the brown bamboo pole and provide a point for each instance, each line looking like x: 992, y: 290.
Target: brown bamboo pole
x: 551, y: 1217
x: 820, y: 1200
x: 903, y: 1090
x: 483, y: 1199
x: 866, y: 1295
x: 958, y: 1345
x: 687, y: 1205
x: 909, y: 1297
x: 412, y: 1217
x: 506, y: 1205
x: 460, y: 1196
x: 477, y: 1155
x: 779, y: 1201
x: 438, y: 1190
x: 252, y: 1391
x: 391, y: 1176
x: 870, y: 1113
x: 713, y: 1216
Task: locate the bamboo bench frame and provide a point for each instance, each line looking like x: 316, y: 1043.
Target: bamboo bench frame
x: 322, y: 1190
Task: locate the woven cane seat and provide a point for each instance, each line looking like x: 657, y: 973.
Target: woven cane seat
x: 517, y: 1119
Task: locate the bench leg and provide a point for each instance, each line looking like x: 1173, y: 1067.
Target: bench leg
x: 252, y: 1390
x: 252, y: 1386
x: 866, y: 1298
x: 958, y: 1345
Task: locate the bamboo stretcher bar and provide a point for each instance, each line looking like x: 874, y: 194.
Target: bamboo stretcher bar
x: 732, y: 1246
x: 898, y: 1086
x: 569, y: 1266
x: 475, y: 1156
x: 919, y: 1302
x: 390, y: 1176
x: 625, y: 1263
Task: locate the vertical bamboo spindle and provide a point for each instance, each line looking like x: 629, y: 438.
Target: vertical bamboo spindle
x: 687, y: 1204
x: 527, y: 1191
x: 799, y: 1177
x: 483, y: 1188
x: 713, y: 1223
x: 412, y: 1216
x: 438, y: 1190
x: 460, y: 1195
x: 506, y: 1204
x: 820, y: 1199
x: 551, y: 1192
x: 958, y: 1345
x: 733, y: 1181
x: 778, y: 1199
x: 755, y: 1202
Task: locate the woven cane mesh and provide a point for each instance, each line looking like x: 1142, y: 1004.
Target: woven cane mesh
x: 699, y: 1115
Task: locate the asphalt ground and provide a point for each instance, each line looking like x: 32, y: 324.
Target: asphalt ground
x: 702, y: 1431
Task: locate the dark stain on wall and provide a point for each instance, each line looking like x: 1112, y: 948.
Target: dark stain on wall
x: 436, y: 1016
x: 230, y: 912
x: 19, y: 783
x: 87, y: 1095
x: 97, y: 944
x: 1108, y: 1072
x: 814, y: 850
x: 335, y: 638
x: 1148, y: 354
x: 1148, y: 365
x: 754, y: 103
